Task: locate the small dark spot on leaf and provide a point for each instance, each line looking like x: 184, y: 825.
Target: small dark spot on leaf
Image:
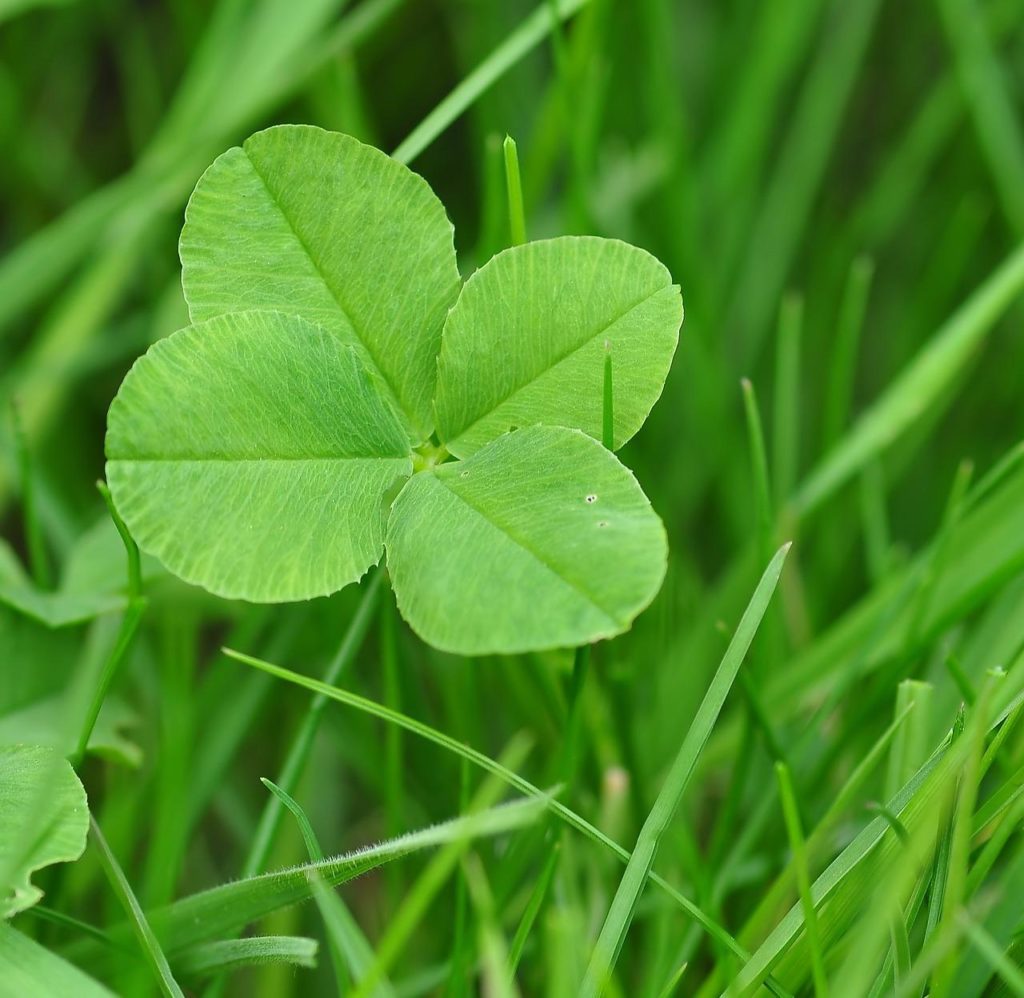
x: 592, y: 498
x: 602, y: 523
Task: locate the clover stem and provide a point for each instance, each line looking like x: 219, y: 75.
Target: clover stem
x: 428, y: 455
x: 126, y: 632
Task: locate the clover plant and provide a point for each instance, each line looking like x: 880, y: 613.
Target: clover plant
x: 341, y: 392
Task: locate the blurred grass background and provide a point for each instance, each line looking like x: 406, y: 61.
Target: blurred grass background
x: 839, y: 189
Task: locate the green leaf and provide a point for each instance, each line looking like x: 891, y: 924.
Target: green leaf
x: 46, y: 674
x: 527, y: 339
x: 51, y: 722
x: 92, y: 581
x: 541, y: 540
x: 251, y: 455
x: 70, y: 604
x: 30, y: 971
x: 96, y: 564
x: 36, y: 661
x: 44, y: 818
x: 317, y: 224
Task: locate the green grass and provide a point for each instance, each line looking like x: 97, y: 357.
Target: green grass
x: 821, y: 794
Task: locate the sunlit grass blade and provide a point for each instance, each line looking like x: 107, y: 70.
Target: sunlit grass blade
x: 907, y: 862
x: 875, y: 858
x: 901, y: 950
x: 798, y: 847
x: 148, y: 941
x: 955, y: 893
x: 1011, y: 974
x: 997, y: 910
x: 819, y: 839
x: 620, y: 913
x: 910, y: 748
x: 497, y: 978
x: 995, y: 845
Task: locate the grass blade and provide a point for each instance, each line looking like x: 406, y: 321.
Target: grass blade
x: 533, y: 906
x: 923, y: 385
x: 620, y: 914
x: 798, y: 847
x: 140, y: 926
x: 298, y: 753
x: 232, y: 906
x: 759, y: 468
x: 571, y: 818
x: 530, y: 33
x: 419, y: 896
x: 786, y: 410
x: 497, y: 981
x: 989, y: 949
x: 516, y: 215
x: 842, y: 369
x: 986, y: 94
x: 207, y: 959
x: 349, y: 947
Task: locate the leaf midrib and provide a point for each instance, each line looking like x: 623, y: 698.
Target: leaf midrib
x: 521, y: 543
x: 334, y: 293
x: 272, y: 459
x: 564, y: 356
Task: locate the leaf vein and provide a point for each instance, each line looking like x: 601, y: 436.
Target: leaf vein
x: 523, y: 544
x: 331, y: 289
x: 565, y: 355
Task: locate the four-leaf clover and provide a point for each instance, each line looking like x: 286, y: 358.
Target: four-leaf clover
x: 336, y: 368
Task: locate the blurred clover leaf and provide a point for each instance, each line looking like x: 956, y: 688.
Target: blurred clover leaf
x: 307, y: 419
x: 44, y: 819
